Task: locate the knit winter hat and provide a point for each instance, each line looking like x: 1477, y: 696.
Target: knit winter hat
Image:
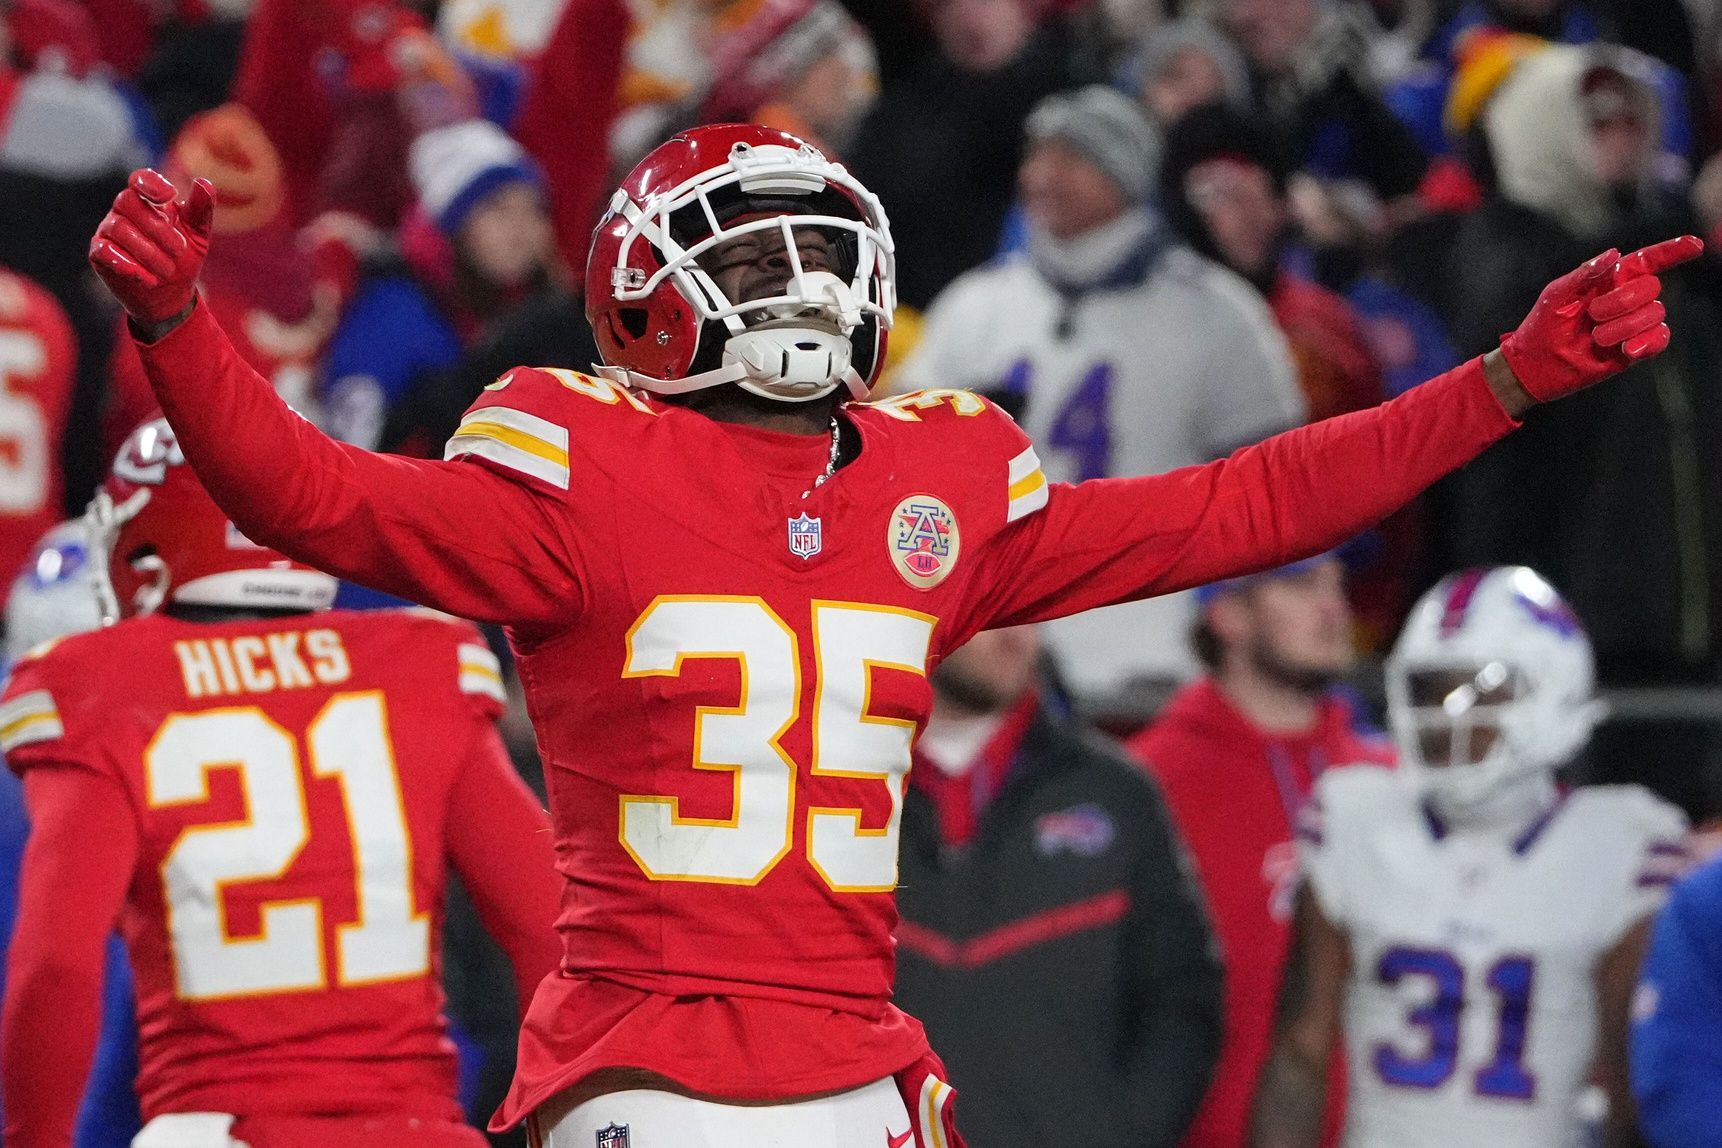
x: 1166, y: 42
x: 455, y: 167
x: 1106, y: 127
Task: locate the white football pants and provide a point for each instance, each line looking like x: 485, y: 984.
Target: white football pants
x: 871, y: 1116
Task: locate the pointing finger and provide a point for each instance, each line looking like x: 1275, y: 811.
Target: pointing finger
x: 1659, y: 257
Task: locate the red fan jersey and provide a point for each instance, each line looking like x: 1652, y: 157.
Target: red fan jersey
x: 38, y: 359
x: 292, y: 793
x: 726, y: 661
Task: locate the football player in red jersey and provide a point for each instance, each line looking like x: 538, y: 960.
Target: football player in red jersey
x: 38, y: 358
x: 725, y: 576
x: 266, y: 799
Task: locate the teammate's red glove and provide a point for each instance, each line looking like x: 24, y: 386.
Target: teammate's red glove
x: 1596, y: 320
x: 150, y: 247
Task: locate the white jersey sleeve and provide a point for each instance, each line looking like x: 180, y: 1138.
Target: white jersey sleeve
x: 1656, y: 853
x: 1326, y: 831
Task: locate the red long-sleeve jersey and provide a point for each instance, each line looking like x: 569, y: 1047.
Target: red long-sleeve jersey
x: 269, y: 811
x: 38, y: 358
x: 726, y: 664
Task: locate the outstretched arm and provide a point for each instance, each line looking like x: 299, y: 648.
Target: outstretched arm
x: 1307, y: 490
x: 1291, y: 1096
x: 456, y: 536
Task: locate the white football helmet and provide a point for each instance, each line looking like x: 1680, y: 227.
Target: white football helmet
x: 55, y: 594
x: 1491, y: 685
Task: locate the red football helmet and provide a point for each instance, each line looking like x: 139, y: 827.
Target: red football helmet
x: 663, y: 324
x: 157, y: 536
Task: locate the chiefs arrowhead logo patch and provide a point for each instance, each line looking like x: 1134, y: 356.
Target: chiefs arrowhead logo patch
x: 923, y: 540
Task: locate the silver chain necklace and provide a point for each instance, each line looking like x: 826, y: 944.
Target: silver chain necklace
x: 831, y: 462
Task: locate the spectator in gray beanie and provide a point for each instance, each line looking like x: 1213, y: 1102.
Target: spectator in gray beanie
x: 1108, y: 129
x: 1086, y: 335
x: 1183, y: 65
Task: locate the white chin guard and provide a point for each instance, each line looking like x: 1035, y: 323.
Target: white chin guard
x: 792, y: 355
x: 787, y: 358
x: 794, y: 364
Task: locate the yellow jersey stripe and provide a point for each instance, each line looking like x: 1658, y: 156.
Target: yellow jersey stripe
x: 932, y: 1111
x: 34, y: 702
x: 1022, y: 487
x: 29, y: 729
x: 468, y: 670
x: 512, y: 457
x: 519, y: 440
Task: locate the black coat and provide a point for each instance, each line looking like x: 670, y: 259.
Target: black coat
x: 1615, y: 494
x: 1062, y: 961
x: 942, y: 145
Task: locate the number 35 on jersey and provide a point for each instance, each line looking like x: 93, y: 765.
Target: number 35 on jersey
x: 851, y: 643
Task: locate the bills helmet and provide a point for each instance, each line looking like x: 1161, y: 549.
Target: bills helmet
x: 1492, y: 681
x: 156, y: 536
x: 55, y: 593
x: 661, y: 320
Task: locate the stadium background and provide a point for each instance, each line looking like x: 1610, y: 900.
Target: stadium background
x: 1429, y: 160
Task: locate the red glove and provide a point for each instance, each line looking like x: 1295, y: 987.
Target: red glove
x: 1595, y: 321
x: 150, y: 247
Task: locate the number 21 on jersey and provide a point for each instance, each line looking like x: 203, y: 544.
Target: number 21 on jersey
x: 850, y: 642
x: 347, y: 741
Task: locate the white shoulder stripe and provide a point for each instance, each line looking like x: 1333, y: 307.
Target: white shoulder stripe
x: 481, y: 673
x: 1024, y: 465
x: 511, y: 457
x: 542, y: 429
x: 484, y: 686
x: 479, y: 657
x: 27, y: 705
x: 1026, y: 492
x: 29, y: 718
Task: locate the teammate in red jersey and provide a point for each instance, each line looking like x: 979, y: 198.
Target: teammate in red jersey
x: 725, y: 577
x: 266, y: 799
x: 38, y: 359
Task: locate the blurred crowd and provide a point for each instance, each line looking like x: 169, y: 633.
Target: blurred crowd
x: 1154, y: 230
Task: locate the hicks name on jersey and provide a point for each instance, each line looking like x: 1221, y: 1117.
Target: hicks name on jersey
x: 260, y: 664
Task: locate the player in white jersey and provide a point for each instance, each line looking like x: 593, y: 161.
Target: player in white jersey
x: 1473, y: 927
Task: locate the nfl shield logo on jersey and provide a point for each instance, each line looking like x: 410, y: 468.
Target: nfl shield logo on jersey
x: 613, y: 1136
x: 805, y: 538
